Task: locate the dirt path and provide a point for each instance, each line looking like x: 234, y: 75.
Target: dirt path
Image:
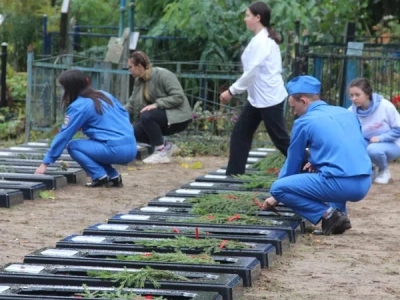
x: 361, y: 264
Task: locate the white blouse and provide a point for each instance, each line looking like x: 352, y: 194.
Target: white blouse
x: 262, y: 66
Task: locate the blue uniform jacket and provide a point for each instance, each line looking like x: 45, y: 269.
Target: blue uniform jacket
x: 333, y: 135
x: 112, y: 126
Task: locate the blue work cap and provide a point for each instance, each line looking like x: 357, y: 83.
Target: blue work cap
x: 303, y: 85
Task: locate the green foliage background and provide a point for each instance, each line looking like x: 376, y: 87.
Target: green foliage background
x: 211, y: 31
x: 214, y: 29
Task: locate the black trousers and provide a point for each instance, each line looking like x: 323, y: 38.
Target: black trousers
x: 153, y: 125
x: 244, y: 129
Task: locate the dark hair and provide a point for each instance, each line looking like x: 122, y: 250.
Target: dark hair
x: 364, y: 84
x: 263, y: 10
x: 140, y: 58
x: 76, y: 84
x: 312, y: 97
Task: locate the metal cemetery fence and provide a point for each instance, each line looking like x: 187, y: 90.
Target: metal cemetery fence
x: 337, y: 66
x: 202, y: 84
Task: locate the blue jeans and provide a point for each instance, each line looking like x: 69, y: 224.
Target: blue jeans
x: 382, y: 153
x: 96, y: 157
x: 311, y: 194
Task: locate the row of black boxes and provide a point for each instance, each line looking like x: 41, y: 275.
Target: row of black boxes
x: 198, y: 242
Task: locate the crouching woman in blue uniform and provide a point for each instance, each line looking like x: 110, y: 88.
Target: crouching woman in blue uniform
x: 339, y: 163
x: 104, y: 120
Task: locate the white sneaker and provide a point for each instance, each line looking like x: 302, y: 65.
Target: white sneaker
x: 158, y: 157
x: 383, y: 176
x: 172, y: 150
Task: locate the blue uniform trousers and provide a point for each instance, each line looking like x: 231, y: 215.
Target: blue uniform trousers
x: 96, y: 157
x: 311, y: 194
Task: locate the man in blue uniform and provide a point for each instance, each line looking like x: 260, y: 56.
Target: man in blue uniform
x: 339, y: 166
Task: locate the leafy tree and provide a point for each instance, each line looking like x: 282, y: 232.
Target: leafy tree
x: 95, y: 12
x: 382, y: 17
x: 216, y: 32
x: 21, y: 27
x: 214, y: 29
x: 149, y: 13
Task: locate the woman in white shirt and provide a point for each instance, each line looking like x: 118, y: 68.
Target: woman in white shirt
x: 262, y: 79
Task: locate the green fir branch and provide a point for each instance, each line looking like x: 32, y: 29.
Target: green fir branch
x: 170, y: 258
x: 133, y: 279
x: 232, y: 203
x: 207, y: 245
x: 273, y: 162
x: 257, y: 181
x: 223, y: 219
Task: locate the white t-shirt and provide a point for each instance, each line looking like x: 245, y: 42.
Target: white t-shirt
x: 262, y: 66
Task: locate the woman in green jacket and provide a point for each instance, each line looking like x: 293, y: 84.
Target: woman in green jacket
x: 158, y: 107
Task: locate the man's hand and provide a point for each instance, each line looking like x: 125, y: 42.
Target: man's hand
x: 270, y: 203
x: 309, y: 168
x: 149, y: 107
x: 375, y: 139
x: 41, y: 169
x: 225, y: 97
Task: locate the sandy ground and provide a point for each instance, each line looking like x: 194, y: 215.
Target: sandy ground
x: 364, y: 263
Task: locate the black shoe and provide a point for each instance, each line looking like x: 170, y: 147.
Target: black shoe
x: 337, y: 230
x: 335, y: 224
x: 116, y: 182
x: 104, y: 182
x: 341, y: 229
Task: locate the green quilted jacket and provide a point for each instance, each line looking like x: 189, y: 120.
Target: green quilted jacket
x: 165, y: 91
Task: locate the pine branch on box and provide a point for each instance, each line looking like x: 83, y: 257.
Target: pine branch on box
x: 232, y: 203
x: 235, y: 196
x: 170, y: 257
x: 128, y: 279
x: 256, y: 181
x: 223, y: 219
x: 273, y: 161
x: 207, y: 245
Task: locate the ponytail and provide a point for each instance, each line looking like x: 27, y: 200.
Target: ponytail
x: 278, y: 38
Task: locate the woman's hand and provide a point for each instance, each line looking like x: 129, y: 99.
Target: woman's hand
x: 41, y: 169
x: 270, y: 203
x: 225, y: 97
x: 375, y: 139
x: 149, y: 107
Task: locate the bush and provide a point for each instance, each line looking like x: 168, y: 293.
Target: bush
x: 17, y: 86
